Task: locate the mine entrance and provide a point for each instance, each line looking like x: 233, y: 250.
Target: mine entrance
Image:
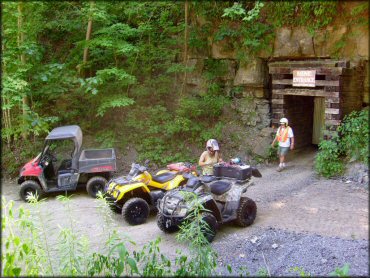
x: 314, y: 95
x: 299, y: 111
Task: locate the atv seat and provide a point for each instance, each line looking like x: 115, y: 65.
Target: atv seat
x: 162, y: 178
x: 207, y: 179
x: 220, y: 187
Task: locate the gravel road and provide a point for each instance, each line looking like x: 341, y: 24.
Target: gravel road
x: 302, y: 221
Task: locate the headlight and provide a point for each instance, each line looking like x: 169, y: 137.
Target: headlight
x: 181, y: 211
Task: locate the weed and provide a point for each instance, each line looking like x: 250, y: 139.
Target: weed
x: 341, y: 271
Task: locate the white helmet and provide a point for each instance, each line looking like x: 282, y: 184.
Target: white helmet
x: 284, y: 121
x: 212, y: 143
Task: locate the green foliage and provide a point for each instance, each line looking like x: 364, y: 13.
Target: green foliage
x: 354, y: 131
x: 272, y: 153
x: 192, y: 231
x: 314, y: 14
x: 18, y: 154
x: 352, y: 143
x: 301, y: 271
x: 107, y: 139
x: 328, y: 161
x: 234, y: 12
x: 113, y: 102
x: 341, y: 271
x: 134, y: 63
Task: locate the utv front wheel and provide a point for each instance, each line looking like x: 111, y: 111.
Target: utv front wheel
x: 94, y: 185
x: 209, y: 231
x: 30, y: 187
x: 135, y: 211
x: 246, y: 212
x: 164, y: 225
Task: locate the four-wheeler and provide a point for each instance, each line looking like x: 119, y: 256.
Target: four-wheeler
x: 135, y: 194
x: 222, y: 197
x: 62, y: 165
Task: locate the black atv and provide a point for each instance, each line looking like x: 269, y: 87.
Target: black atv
x: 222, y: 196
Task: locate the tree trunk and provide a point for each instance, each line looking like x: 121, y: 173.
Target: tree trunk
x: 183, y: 91
x: 88, y: 36
x: 6, y: 112
x: 22, y: 59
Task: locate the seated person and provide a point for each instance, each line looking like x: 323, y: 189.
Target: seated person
x: 210, y: 157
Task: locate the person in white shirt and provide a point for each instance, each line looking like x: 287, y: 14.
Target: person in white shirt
x: 285, y: 137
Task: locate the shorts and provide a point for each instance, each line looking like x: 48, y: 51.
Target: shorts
x: 283, y: 150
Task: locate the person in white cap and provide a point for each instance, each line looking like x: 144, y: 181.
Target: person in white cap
x: 210, y: 157
x: 285, y: 137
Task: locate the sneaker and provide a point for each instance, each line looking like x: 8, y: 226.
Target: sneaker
x: 279, y: 169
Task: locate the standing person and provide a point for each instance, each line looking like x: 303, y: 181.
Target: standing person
x: 285, y: 137
x: 210, y: 157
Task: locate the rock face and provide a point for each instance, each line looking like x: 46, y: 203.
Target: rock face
x: 253, y: 73
x: 295, y: 42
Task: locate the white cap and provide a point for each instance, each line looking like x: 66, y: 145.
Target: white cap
x: 284, y: 121
x: 212, y: 143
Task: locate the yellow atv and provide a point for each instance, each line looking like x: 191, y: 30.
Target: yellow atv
x: 135, y: 194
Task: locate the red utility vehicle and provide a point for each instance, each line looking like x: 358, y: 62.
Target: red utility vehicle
x: 62, y: 165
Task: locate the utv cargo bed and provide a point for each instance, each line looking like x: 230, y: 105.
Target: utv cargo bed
x: 97, y: 160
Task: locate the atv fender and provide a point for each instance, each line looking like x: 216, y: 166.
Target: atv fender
x: 213, y: 208
x: 156, y: 196
x: 130, y: 187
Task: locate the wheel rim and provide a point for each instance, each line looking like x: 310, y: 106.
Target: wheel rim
x: 29, y: 191
x: 137, y: 211
x: 98, y: 187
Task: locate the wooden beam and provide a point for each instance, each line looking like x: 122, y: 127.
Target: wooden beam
x: 332, y: 122
x: 331, y: 111
x: 277, y: 101
x: 305, y: 92
x: 319, y: 71
x: 316, y: 63
x: 317, y: 82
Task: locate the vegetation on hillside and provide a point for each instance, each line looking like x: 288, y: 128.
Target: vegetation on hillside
x: 117, y: 69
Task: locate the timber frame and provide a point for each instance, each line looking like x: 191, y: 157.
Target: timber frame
x: 341, y: 86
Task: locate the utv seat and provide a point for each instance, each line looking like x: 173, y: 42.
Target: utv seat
x: 220, y: 187
x: 162, y: 178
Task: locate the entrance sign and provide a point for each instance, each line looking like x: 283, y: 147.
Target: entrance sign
x: 304, y: 78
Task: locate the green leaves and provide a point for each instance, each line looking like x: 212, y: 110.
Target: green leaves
x: 355, y: 135
x: 328, y: 162
x: 234, y: 12
x: 352, y: 144
x: 113, y: 102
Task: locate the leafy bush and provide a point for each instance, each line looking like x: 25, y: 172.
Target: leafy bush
x: 352, y: 143
x: 328, y: 162
x: 355, y: 135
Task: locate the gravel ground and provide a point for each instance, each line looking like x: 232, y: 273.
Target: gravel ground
x: 278, y: 252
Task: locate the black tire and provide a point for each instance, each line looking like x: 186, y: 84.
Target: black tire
x: 30, y: 186
x: 246, y: 212
x: 210, y: 231
x: 94, y: 185
x: 135, y: 211
x: 161, y: 222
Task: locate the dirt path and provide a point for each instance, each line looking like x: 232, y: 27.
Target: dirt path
x: 294, y: 200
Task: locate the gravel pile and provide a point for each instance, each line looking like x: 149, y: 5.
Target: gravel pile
x: 277, y: 252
